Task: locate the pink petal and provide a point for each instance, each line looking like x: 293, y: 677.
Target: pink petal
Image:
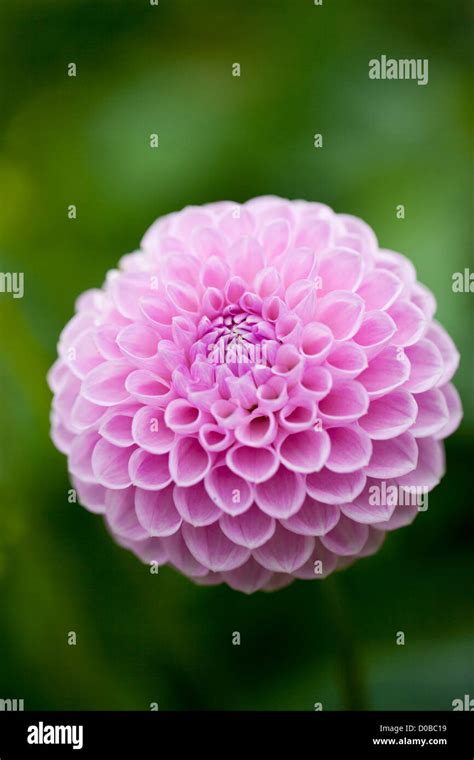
x: 234, y: 289
x: 301, y: 298
x: 454, y: 410
x: 346, y: 402
x: 251, y: 302
x: 57, y: 375
x: 298, y: 415
x: 209, y: 244
x: 321, y: 563
x: 246, y: 258
x: 347, y: 538
x: 105, y: 384
x: 149, y: 471
x: 306, y: 451
x: 410, y: 323
x: 380, y: 289
x: 275, y: 238
x: 374, y: 542
x: 385, y: 372
x: 150, y: 431
x: 346, y: 361
x: 273, y: 309
x: 356, y: 228
x: 267, y: 282
x: 278, y: 581
x: 430, y: 467
x: 227, y: 413
x: 259, y: 429
x: 376, y: 331
x: 116, y: 427
x: 450, y: 355
x: 242, y: 390
x: 342, y: 312
x: 298, y: 264
x: 389, y: 415
x: 194, y: 219
x: 212, y: 302
x: 156, y: 512
x: 180, y: 267
x: 110, y: 464
x: 316, y: 381
x: 288, y: 363
x: 195, y: 505
x: 79, y: 322
x: 184, y: 297
x: 426, y: 366
x: 211, y: 547
x: 65, y: 399
x: 340, y: 267
x: 315, y: 234
x: 148, y: 550
x: 213, y: 438
x: 229, y: 491
x: 80, y: 456
x: 313, y: 519
x: 248, y: 578
x: 121, y: 516
x: 316, y: 342
x: 402, y: 516
x: 159, y: 313
x: 399, y: 265
x: 289, y: 328
x: 138, y: 342
x: 126, y: 291
x: 85, y: 414
x: 85, y: 353
x: 432, y: 415
x: 334, y: 488
x: 282, y: 495
x: 149, y: 388
x: 214, y: 273
x: 285, y: 552
x: 351, y: 449
x: 372, y: 505
x: 236, y: 225
x: 183, y: 417
x: 393, y: 458
x: 255, y: 465
x: 272, y: 395
x: 250, y: 529
x: 91, y: 495
x: 424, y: 299
x: 211, y: 579
x: 181, y: 557
x: 188, y: 462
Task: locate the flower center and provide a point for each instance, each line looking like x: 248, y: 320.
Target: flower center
x: 238, y: 338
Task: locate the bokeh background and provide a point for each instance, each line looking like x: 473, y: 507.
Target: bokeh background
x: 167, y: 69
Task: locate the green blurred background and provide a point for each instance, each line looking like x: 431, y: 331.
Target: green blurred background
x: 141, y: 69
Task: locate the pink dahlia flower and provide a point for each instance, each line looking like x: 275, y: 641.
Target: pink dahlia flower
x: 251, y: 395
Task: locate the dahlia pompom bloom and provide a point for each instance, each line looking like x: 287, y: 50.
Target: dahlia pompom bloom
x: 240, y: 390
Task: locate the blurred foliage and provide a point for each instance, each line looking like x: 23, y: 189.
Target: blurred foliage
x: 85, y: 140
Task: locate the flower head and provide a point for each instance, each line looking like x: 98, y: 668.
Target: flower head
x: 256, y: 395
